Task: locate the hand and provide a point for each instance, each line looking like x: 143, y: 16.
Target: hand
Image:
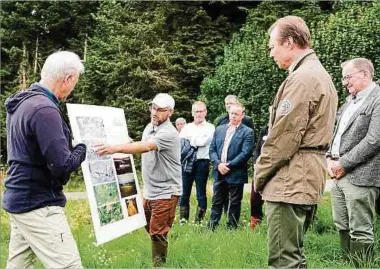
x: 337, y: 169
x: 339, y: 173
x: 104, y: 149
x: 223, y: 168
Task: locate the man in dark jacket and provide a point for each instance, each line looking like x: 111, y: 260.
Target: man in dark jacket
x: 230, y: 150
x: 40, y: 160
x: 247, y: 121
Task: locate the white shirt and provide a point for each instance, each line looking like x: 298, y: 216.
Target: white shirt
x: 200, y: 136
x: 352, y: 107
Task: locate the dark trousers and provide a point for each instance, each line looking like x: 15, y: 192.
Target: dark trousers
x: 199, y: 175
x: 235, y: 193
x: 256, y: 204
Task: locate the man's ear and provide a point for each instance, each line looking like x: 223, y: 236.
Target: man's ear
x: 289, y: 42
x: 67, y: 78
x: 171, y: 112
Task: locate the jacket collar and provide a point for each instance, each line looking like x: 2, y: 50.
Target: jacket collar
x: 47, y: 92
x: 373, y: 93
x: 299, y: 59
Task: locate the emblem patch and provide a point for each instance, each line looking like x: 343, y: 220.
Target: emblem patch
x: 285, y: 107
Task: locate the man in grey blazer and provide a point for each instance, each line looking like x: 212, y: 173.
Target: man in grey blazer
x: 354, y: 160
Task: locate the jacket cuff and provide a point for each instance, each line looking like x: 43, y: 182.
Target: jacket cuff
x: 345, y: 163
x: 79, y: 152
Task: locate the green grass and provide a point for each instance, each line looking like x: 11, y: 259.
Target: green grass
x: 192, y: 246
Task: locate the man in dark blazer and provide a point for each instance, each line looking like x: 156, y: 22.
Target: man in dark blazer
x: 230, y: 150
x: 354, y: 161
x: 247, y: 121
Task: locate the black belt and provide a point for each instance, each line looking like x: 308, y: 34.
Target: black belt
x: 321, y: 148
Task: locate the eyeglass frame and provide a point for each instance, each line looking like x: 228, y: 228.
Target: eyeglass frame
x: 158, y: 109
x: 349, y: 76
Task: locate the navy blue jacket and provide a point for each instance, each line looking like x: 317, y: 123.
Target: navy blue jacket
x: 239, y: 151
x: 40, y: 156
x: 247, y: 121
x: 188, y: 155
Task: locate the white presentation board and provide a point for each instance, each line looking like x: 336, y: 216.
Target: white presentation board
x: 111, y: 181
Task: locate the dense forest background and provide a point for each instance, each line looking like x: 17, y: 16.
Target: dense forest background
x: 192, y: 50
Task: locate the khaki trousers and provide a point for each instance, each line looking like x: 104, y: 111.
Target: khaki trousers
x: 46, y: 234
x: 353, y: 209
x: 287, y: 225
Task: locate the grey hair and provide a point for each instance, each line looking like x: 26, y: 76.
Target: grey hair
x: 231, y: 96
x: 361, y: 64
x: 60, y: 64
x: 198, y: 103
x: 180, y: 120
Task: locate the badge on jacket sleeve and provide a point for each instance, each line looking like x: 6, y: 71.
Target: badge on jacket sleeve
x: 285, y: 107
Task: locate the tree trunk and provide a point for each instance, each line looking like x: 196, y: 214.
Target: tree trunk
x: 85, y: 48
x: 36, y: 58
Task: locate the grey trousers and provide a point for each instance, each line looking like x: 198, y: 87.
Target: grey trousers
x: 287, y: 224
x: 353, y: 209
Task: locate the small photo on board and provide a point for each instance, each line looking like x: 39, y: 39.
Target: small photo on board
x: 132, y: 208
x: 123, y: 165
x: 101, y: 172
x: 106, y: 194
x: 91, y: 127
x: 110, y: 213
x: 125, y: 176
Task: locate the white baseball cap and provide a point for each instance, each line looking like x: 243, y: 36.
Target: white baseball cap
x: 163, y: 100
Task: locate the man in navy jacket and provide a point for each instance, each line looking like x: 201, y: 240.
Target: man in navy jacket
x: 40, y: 160
x: 230, y: 150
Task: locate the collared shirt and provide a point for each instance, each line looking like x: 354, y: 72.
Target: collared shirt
x: 161, y: 168
x: 354, y: 104
x: 200, y: 136
x: 229, y: 134
x: 297, y: 60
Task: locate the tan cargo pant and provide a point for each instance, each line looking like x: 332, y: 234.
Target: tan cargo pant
x: 46, y: 234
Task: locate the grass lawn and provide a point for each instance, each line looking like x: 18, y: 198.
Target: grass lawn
x: 192, y: 246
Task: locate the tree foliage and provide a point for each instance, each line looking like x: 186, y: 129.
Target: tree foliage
x: 348, y: 30
x: 142, y: 48
x: 133, y: 50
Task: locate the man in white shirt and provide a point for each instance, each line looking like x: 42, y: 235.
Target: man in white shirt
x: 200, y: 134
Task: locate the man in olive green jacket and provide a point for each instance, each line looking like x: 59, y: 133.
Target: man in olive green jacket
x: 291, y: 170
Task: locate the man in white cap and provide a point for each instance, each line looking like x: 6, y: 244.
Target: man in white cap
x: 161, y: 172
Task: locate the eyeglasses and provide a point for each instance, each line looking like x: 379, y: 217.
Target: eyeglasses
x: 156, y: 109
x: 349, y: 76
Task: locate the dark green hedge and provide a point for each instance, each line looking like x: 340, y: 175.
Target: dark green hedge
x: 350, y: 30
